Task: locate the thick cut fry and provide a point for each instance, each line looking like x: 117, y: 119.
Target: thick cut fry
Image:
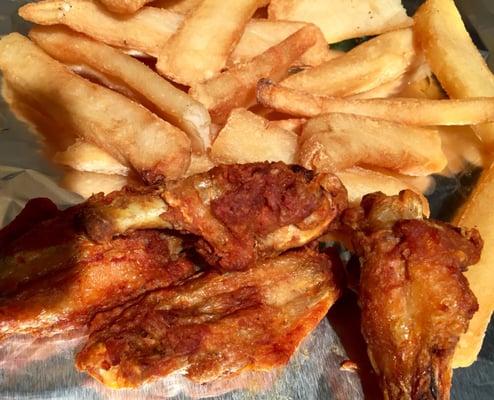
x: 290, y: 124
x: 343, y: 19
x: 363, y: 68
x: 124, y: 6
x: 247, y: 138
x: 199, y: 50
x: 334, y: 142
x: 359, y: 182
x: 420, y: 112
x: 199, y: 164
x: 179, y: 6
x: 169, y: 102
x: 84, y: 156
x: 146, y: 30
x: 237, y: 86
x: 126, y: 130
x: 261, y: 34
x: 453, y: 57
x: 477, y: 212
x: 87, y: 184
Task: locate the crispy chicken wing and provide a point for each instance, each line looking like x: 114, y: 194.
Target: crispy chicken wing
x: 414, y: 298
x: 243, y: 213
x: 215, y: 324
x: 63, y: 278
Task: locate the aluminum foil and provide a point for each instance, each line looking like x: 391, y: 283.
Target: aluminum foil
x: 44, y: 369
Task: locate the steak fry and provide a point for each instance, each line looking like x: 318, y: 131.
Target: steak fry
x: 214, y: 325
x: 75, y: 277
x: 243, y: 213
x: 415, y: 300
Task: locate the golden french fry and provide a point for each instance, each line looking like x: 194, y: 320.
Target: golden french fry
x: 289, y: 124
x: 370, y: 64
x: 247, y: 137
x: 427, y: 88
x: 124, y: 6
x: 453, y: 57
x: 334, y: 142
x: 146, y: 30
x: 342, y: 19
x: 477, y: 213
x: 86, y: 157
x: 261, y: 34
x: 179, y: 6
x: 126, y: 130
x: 359, y: 182
x: 237, y: 86
x: 199, y: 164
x: 86, y: 184
x: 167, y: 101
x: 420, y: 112
x: 199, y: 50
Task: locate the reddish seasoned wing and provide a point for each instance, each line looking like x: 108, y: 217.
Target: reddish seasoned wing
x: 63, y: 279
x: 415, y: 300
x: 243, y: 213
x: 214, y: 325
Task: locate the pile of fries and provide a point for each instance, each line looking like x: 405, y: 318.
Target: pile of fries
x: 135, y: 91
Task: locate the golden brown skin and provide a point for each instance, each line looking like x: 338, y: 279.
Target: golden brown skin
x: 214, y: 325
x: 243, y: 213
x: 414, y: 298
x: 83, y: 278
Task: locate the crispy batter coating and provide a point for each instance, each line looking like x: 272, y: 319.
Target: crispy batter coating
x: 243, y: 213
x: 76, y: 278
x: 214, y: 325
x: 415, y: 300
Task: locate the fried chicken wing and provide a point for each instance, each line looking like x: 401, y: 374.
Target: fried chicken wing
x: 214, y: 325
x: 243, y: 213
x: 414, y: 298
x: 64, y: 279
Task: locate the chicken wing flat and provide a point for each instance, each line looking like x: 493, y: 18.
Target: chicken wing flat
x: 243, y: 213
x: 414, y: 298
x: 84, y: 277
x: 214, y: 325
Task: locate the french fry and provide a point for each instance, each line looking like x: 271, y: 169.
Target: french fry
x: 199, y: 164
x: 453, y: 57
x: 124, y: 6
x: 199, y: 50
x: 237, y: 86
x: 334, y: 142
x: 86, y: 184
x: 86, y: 157
x: 261, y: 34
x: 130, y: 133
x: 179, y: 6
x: 420, y: 112
x: 169, y: 102
x: 370, y: 64
x: 359, y: 182
x: 146, y: 30
x: 427, y: 88
x: 477, y: 213
x: 246, y: 137
x: 290, y: 124
x: 343, y: 19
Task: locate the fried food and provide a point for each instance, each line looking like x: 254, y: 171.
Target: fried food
x: 415, y: 300
x: 202, y: 44
x: 150, y: 89
x: 453, y: 57
x: 411, y: 111
x: 236, y: 87
x: 478, y: 212
x: 124, y: 6
x: 334, y: 142
x: 342, y: 19
x: 146, y: 30
x: 179, y: 6
x: 87, y: 184
x: 246, y: 137
x: 216, y: 324
x: 243, y: 213
x: 261, y: 34
x: 130, y: 133
x: 55, y: 279
x: 370, y: 64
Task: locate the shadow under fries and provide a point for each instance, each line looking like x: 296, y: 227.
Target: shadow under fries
x: 313, y: 370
